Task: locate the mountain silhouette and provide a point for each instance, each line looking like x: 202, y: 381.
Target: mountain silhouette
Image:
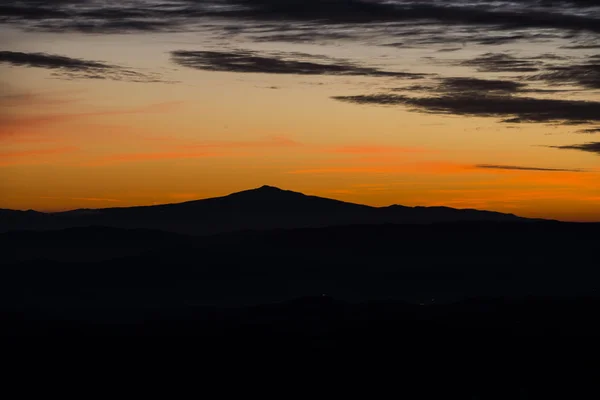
x: 266, y: 207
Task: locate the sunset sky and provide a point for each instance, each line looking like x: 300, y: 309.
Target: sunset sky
x: 469, y: 104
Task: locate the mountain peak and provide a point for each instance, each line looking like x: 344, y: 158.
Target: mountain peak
x: 265, y: 193
x: 269, y: 188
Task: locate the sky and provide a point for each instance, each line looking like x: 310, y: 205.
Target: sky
x: 469, y: 103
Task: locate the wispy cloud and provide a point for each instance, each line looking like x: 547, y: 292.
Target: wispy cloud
x: 246, y: 61
x: 76, y: 68
x: 479, y: 86
x: 509, y: 108
x: 522, y: 168
x: 502, y: 62
x: 589, y: 130
x: 591, y: 147
x: 427, y: 167
x: 585, y: 74
x: 316, y: 19
x: 144, y: 15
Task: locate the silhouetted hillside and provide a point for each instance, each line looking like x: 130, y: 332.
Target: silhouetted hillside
x: 263, y: 208
x: 475, y: 310
x: 520, y: 348
x: 86, y: 244
x: 132, y: 271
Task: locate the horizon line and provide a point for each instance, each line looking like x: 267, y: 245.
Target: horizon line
x: 285, y: 190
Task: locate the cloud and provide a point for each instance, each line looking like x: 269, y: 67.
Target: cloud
x: 43, y: 60
x: 446, y: 167
x: 589, y: 130
x: 521, y: 168
x: 502, y: 98
x: 449, y: 50
x: 509, y: 108
x: 494, y: 40
x: 92, y: 16
x: 160, y: 15
x: 586, y: 75
x: 483, y: 13
x: 75, y: 68
x: 307, y: 35
x: 475, y: 85
x: 550, y: 68
x: 427, y: 35
x: 246, y: 61
x: 502, y: 62
x: 582, y: 46
x: 591, y: 147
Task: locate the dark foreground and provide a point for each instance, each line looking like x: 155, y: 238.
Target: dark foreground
x: 528, y: 348
x: 450, y: 311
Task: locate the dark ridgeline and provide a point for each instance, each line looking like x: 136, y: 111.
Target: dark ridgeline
x: 349, y: 251
x: 266, y: 207
x: 492, y: 305
x: 127, y: 269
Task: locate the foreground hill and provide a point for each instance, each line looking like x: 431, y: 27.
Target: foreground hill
x: 130, y: 271
x: 483, y: 348
x: 257, y: 209
x: 473, y: 310
x: 87, y: 244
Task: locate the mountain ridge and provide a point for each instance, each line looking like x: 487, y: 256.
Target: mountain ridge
x: 264, y: 188
x: 266, y: 207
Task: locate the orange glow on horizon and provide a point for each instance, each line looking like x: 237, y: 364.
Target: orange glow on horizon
x: 93, y: 143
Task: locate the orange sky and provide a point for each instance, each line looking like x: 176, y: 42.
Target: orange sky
x: 72, y: 142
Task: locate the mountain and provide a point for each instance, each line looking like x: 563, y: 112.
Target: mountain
x: 263, y: 208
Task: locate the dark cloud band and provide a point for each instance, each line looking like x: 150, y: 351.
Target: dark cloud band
x: 501, y: 62
x: 589, y: 130
x: 75, y: 68
x: 135, y: 15
x: 475, y: 85
x: 509, y: 108
x: 277, y: 63
x: 591, y: 147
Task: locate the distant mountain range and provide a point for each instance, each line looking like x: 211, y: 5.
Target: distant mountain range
x: 263, y: 208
